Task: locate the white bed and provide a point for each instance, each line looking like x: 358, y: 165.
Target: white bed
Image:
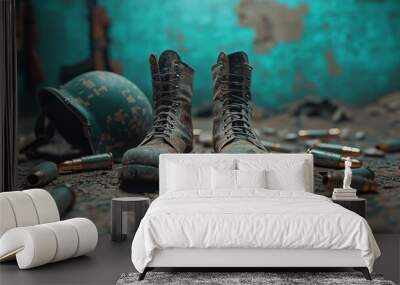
x: 250, y: 227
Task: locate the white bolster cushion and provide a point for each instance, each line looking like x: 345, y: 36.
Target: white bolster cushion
x: 23, y: 208
x: 7, y: 218
x: 87, y: 234
x: 26, y: 208
x: 67, y: 240
x: 46, y: 207
x: 40, y: 244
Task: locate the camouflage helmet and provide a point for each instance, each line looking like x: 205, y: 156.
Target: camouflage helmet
x: 98, y: 112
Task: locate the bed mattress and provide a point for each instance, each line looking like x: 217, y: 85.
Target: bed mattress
x: 250, y: 219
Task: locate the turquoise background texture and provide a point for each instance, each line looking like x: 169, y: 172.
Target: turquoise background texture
x: 348, y: 50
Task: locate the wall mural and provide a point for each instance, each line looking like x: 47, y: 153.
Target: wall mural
x: 324, y: 80
x: 298, y: 48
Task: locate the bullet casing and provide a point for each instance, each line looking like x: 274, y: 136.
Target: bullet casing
x: 389, y: 146
x: 337, y: 148
x: 365, y: 172
x: 277, y: 147
x: 64, y: 198
x: 331, y: 160
x: 362, y: 184
x: 85, y: 163
x: 319, y: 134
x: 42, y: 174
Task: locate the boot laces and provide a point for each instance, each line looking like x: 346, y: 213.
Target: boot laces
x: 236, y: 107
x: 166, y: 103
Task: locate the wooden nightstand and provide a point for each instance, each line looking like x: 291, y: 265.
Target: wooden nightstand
x: 357, y: 205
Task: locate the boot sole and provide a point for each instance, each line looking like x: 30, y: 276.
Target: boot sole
x: 135, y: 178
x: 131, y: 175
x: 138, y: 172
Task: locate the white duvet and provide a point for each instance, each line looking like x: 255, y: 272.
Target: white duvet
x: 250, y: 219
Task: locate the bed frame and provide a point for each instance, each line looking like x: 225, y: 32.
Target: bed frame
x: 242, y: 259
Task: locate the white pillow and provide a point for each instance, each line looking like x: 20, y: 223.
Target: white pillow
x: 251, y: 179
x: 186, y: 176
x: 281, y: 175
x: 230, y: 180
x: 293, y: 181
x: 223, y: 179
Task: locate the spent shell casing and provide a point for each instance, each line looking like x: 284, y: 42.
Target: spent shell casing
x: 365, y: 172
x: 337, y: 148
x: 388, y: 146
x: 64, y: 198
x: 362, y: 171
x: 277, y: 147
x: 85, y: 163
x: 331, y: 160
x: 42, y: 174
x: 290, y: 137
x: 312, y: 142
x: 319, y: 133
x: 362, y: 184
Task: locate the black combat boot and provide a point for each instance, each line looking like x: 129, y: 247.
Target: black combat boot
x: 232, y: 130
x: 172, y: 130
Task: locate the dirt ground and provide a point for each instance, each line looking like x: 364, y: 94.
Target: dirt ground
x: 94, y: 190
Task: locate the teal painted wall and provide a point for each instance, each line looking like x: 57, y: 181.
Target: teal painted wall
x: 342, y: 49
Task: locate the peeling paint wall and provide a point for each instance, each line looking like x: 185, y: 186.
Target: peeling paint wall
x: 343, y: 49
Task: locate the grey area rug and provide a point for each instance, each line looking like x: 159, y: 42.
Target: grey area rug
x: 233, y: 278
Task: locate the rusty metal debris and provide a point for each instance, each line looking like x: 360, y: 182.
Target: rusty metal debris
x: 314, y: 107
x: 340, y: 115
